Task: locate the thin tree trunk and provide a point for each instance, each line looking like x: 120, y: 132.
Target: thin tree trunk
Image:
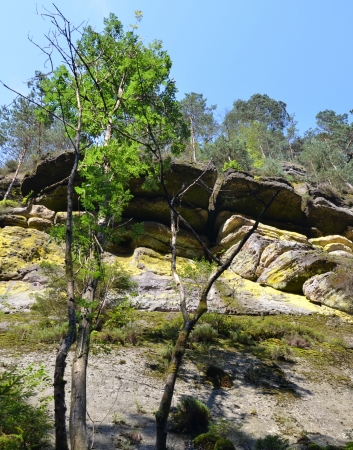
x: 60, y: 362
x: 78, y: 429
x: 22, y: 157
x: 173, y: 369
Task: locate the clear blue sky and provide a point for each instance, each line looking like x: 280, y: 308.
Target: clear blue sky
x: 297, y: 51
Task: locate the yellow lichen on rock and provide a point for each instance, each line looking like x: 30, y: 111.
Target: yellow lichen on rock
x: 21, y: 247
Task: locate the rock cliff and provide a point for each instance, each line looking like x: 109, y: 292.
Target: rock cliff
x: 302, y: 248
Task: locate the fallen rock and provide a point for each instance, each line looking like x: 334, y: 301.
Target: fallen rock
x: 333, y: 289
x: 290, y: 270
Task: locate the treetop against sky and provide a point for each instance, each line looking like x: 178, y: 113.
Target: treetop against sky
x: 295, y: 51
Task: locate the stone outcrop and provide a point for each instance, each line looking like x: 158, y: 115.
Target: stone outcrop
x: 328, y: 217
x: 290, y: 270
x: 50, y: 172
x: 180, y: 174
x: 333, y: 289
x: 244, y: 194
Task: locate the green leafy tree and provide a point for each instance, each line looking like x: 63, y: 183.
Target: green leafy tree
x: 327, y: 151
x: 260, y: 127
x: 201, y: 122
x: 117, y: 104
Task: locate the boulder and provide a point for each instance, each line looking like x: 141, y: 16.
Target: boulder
x: 232, y: 227
x: 20, y: 248
x: 157, y: 210
x: 244, y: 194
x: 178, y: 175
x: 247, y: 260
x: 39, y: 224
x: 328, y: 217
x: 291, y: 269
x: 277, y: 248
x: 11, y: 220
x: 333, y: 289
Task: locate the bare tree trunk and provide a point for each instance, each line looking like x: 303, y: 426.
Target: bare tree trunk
x: 22, y: 157
x: 192, y: 140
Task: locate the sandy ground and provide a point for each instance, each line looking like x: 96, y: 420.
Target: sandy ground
x: 123, y: 393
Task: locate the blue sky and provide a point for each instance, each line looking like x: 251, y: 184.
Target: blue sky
x: 297, y: 51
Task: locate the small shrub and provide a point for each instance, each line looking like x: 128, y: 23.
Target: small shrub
x: 217, y: 321
x: 133, y: 333
x: 116, y: 336
x: 203, y: 333
x: 166, y: 352
x: 224, y: 444
x: 120, y: 315
x: 241, y: 337
x: 22, y: 426
x: 280, y: 352
x: 191, y: 416
x: 171, y: 330
x: 206, y: 441
x: 271, y: 442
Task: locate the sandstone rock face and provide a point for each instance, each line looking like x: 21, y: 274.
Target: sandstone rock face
x: 276, y: 249
x: 52, y: 170
x: 329, y: 218
x: 246, y: 262
x: 332, y: 243
x: 237, y: 194
x: 157, y: 210
x: 333, y: 289
x: 20, y: 248
x: 35, y: 211
x: 178, y: 175
x: 290, y: 270
x: 157, y: 237
x: 237, y: 226
x: 39, y: 224
x: 11, y: 220
x: 4, y: 184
